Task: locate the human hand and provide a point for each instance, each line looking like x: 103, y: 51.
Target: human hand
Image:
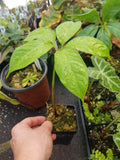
x: 32, y: 139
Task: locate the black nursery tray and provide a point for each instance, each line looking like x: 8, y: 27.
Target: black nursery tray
x: 10, y: 115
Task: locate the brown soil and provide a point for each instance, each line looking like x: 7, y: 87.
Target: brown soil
x: 65, y: 119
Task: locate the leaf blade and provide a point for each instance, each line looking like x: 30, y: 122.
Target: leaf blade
x: 89, y: 45
x: 73, y: 74
x: 66, y: 30
x: 103, y: 71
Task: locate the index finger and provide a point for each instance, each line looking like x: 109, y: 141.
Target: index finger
x: 33, y: 121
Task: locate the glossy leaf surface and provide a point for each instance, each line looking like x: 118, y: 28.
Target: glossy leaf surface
x: 41, y: 34
x: 103, y: 71
x: 66, y: 30
x: 27, y: 54
x: 72, y: 71
x: 89, y: 45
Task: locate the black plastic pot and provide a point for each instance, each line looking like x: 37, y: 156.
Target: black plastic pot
x: 32, y: 97
x: 65, y: 137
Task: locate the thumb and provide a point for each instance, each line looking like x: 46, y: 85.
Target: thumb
x: 47, y: 126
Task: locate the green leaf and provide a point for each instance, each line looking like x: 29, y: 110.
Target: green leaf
x: 89, y: 45
x: 66, y: 30
x: 114, y: 28
x: 90, y: 30
x: 72, y: 9
x: 91, y: 16
x: 0, y: 84
x: 50, y: 18
x: 5, y: 97
x: 116, y: 139
x: 28, y: 53
x: 73, y: 74
x: 42, y: 34
x: 104, y: 72
x: 103, y: 36
x: 110, y: 9
x: 57, y: 4
x: 118, y: 96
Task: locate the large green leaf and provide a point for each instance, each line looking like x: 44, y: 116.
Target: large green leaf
x: 116, y: 138
x: 90, y: 30
x: 114, y: 28
x: 89, y: 45
x: 28, y: 53
x: 66, y: 30
x: 72, y: 71
x: 104, y: 72
x: 90, y: 16
x: 103, y: 36
x: 110, y: 9
x: 42, y: 34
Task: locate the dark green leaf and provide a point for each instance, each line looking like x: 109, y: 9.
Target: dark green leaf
x: 103, y: 36
x: 73, y: 74
x: 89, y: 45
x: 91, y: 16
x: 90, y: 30
x: 114, y: 28
x: 66, y: 30
x: 104, y: 72
x: 110, y: 9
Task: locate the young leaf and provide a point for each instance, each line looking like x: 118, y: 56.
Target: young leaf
x: 114, y: 28
x: 73, y: 74
x: 110, y: 9
x: 41, y: 34
x: 116, y: 139
x: 89, y: 45
x: 90, y: 30
x: 28, y: 53
x: 103, y: 36
x: 103, y: 71
x: 90, y: 16
x: 66, y: 30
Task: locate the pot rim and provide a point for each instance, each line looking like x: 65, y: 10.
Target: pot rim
x: 5, y: 71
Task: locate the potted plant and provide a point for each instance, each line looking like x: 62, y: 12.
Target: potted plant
x: 69, y: 65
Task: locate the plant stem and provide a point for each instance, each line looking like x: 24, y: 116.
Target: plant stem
x: 53, y: 85
x: 99, y: 94
x: 53, y: 91
x: 109, y: 125
x: 90, y: 87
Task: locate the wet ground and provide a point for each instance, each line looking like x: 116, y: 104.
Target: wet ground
x: 10, y: 115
